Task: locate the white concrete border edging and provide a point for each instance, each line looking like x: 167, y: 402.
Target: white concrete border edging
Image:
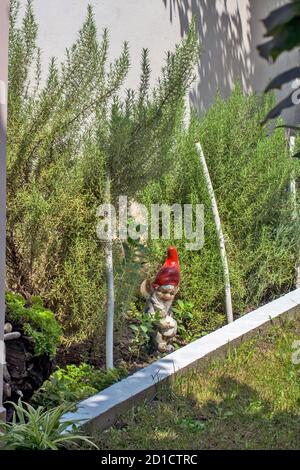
x: 102, y: 409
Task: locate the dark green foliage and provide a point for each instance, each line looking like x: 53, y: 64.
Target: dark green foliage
x: 36, y: 321
x: 142, y: 326
x: 183, y: 312
x: 283, y: 29
x: 75, y: 383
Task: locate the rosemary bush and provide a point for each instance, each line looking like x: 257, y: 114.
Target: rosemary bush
x: 250, y: 171
x: 65, y: 135
x: 68, y: 133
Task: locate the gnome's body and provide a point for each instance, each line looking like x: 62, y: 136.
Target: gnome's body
x: 160, y: 298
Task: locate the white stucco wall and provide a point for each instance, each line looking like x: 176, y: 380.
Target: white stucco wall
x: 229, y: 31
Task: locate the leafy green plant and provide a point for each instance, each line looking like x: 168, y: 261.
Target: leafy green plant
x: 143, y: 326
x: 282, y: 30
x: 183, y: 315
x: 75, y: 383
x: 191, y: 424
x: 36, y: 321
x: 37, y: 429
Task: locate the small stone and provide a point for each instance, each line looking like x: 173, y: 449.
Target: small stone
x: 28, y: 357
x: 11, y: 336
x: 8, y: 328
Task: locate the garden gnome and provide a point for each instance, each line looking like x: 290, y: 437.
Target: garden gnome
x: 160, y: 297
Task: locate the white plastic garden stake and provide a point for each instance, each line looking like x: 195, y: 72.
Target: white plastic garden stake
x: 293, y: 191
x: 216, y: 215
x: 110, y: 287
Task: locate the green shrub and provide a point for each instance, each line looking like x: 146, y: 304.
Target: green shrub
x: 37, y: 429
x: 75, y: 383
x: 250, y: 171
x: 65, y: 135
x: 36, y: 321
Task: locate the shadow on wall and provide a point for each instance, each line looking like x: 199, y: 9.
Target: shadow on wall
x: 229, y: 31
x: 225, y: 36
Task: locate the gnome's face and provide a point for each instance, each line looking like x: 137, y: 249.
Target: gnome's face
x: 166, y: 293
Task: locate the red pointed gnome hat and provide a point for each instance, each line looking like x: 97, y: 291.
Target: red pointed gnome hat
x: 169, y: 273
